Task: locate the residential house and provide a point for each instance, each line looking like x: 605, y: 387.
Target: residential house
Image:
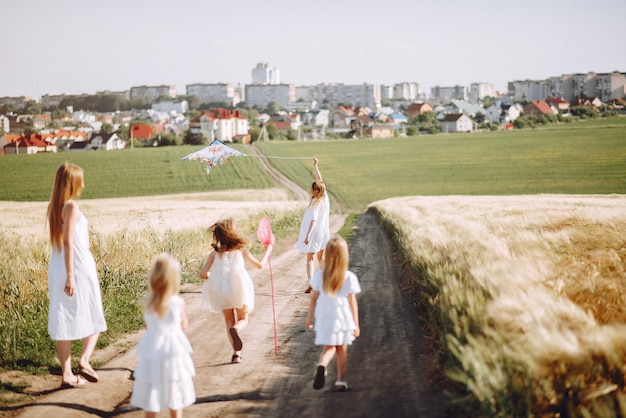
x: 537, y: 108
x: 223, y: 124
x: 463, y: 106
x: 32, y: 144
x: 561, y: 105
x: 456, y: 122
x: 360, y: 124
x: 418, y: 109
x: 5, y: 124
x: 144, y: 134
x: 397, y: 120
x: 587, y: 101
x: 108, y: 142
x: 341, y: 117
x: 503, y: 113
x: 379, y: 131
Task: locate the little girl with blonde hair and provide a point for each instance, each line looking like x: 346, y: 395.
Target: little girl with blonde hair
x: 336, y: 311
x: 163, y: 376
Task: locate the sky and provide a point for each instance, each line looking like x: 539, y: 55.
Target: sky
x: 87, y: 46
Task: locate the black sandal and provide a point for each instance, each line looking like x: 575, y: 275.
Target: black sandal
x: 236, y: 358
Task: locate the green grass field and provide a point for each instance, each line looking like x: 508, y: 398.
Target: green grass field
x: 574, y: 158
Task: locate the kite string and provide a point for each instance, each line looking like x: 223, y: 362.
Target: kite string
x: 283, y: 158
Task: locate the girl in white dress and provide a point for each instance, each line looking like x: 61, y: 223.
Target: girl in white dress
x: 336, y: 311
x: 228, y: 287
x: 75, y: 311
x: 164, y: 372
x: 315, y: 227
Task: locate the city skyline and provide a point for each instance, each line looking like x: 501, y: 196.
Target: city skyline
x: 63, y: 47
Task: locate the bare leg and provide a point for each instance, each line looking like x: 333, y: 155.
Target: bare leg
x: 65, y: 358
x: 229, y: 319
x: 242, y: 318
x: 320, y: 258
x: 327, y: 355
x: 342, y: 362
x: 150, y: 414
x: 176, y: 413
x: 310, y: 265
x: 89, y: 344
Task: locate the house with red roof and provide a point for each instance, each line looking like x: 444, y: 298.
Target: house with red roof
x: 537, y: 108
x: 143, y: 133
x: 222, y: 124
x: 32, y: 144
x: 561, y: 105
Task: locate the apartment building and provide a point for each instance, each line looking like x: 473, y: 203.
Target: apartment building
x: 151, y: 93
x: 478, y: 91
x: 16, y: 102
x: 213, y: 93
x: 261, y: 94
x: 605, y: 86
x: 445, y: 94
x: 365, y: 95
x: 263, y: 73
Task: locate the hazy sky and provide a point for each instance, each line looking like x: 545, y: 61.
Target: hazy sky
x: 85, y: 46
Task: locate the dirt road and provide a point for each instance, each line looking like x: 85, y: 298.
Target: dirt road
x: 390, y: 367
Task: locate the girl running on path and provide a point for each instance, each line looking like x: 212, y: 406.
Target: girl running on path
x: 228, y: 287
x: 164, y: 372
x: 336, y: 311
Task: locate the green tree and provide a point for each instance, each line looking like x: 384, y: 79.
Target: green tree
x: 191, y: 138
x: 106, y: 128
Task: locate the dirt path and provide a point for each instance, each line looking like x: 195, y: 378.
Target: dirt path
x: 390, y: 366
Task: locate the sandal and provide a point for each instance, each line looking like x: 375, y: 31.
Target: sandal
x: 79, y: 383
x: 320, y: 377
x: 88, y: 373
x: 341, y: 386
x: 236, y: 358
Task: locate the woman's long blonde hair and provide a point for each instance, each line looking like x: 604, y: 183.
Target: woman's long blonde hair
x: 336, y: 260
x: 164, y: 283
x: 68, y: 183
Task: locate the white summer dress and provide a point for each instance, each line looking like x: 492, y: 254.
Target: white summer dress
x: 81, y: 315
x: 164, y: 371
x: 334, y: 323
x: 320, y: 234
x: 229, y: 284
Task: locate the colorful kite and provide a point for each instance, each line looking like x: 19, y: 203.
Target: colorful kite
x: 214, y: 154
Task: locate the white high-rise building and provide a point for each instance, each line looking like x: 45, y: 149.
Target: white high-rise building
x: 264, y: 74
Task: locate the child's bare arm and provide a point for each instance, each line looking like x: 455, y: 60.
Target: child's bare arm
x: 204, y: 274
x: 183, y: 313
x: 318, y: 175
x: 354, y: 307
x: 256, y: 262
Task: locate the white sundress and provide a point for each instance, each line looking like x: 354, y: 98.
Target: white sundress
x: 75, y: 317
x: 164, y: 371
x: 229, y: 284
x: 320, y: 234
x: 334, y: 323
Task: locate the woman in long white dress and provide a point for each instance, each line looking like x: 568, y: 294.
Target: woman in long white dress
x: 75, y: 311
x: 315, y: 227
